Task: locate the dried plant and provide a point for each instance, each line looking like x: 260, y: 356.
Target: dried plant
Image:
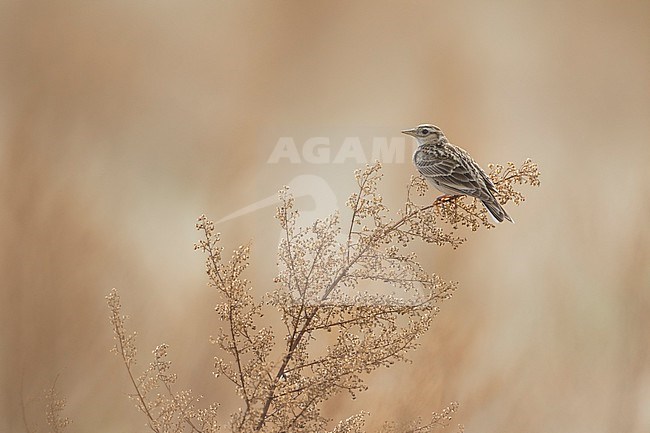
x: 51, y: 404
x: 467, y: 211
x: 165, y: 409
x: 54, y: 406
x: 437, y: 420
x: 325, y: 292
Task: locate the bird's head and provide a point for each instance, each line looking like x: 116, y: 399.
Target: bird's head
x: 426, y: 134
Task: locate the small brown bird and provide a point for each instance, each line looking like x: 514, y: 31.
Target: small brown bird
x: 451, y: 170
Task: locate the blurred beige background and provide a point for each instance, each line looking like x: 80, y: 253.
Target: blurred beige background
x: 121, y: 122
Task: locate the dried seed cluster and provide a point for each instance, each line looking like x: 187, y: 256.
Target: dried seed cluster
x: 284, y: 377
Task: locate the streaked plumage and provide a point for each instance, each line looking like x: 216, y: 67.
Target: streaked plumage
x: 451, y: 170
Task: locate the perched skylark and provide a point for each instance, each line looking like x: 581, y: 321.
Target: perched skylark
x: 452, y: 171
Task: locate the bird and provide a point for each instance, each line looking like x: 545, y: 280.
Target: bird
x: 452, y: 171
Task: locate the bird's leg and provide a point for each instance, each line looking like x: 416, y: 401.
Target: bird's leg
x: 445, y: 198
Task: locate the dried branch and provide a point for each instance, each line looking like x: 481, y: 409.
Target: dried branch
x: 329, y: 282
x: 168, y: 411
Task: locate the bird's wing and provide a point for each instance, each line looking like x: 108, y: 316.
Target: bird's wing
x: 455, y: 174
x: 487, y: 180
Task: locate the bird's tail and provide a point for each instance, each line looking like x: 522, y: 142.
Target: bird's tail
x: 496, y: 211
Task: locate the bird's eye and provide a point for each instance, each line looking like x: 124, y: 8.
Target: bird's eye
x: 425, y: 131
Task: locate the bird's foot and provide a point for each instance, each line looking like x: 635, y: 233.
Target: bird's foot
x: 445, y: 198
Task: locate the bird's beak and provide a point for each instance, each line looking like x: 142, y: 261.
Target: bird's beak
x: 410, y: 132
